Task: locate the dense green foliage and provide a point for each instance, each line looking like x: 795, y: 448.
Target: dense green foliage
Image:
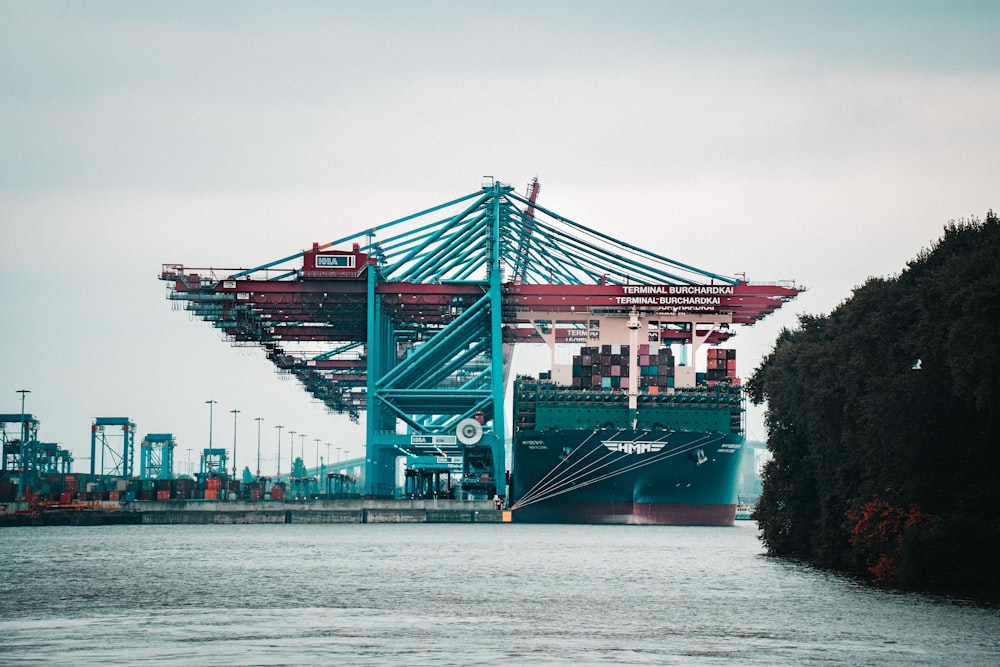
x: 883, y: 420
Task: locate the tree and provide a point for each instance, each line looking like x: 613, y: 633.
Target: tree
x: 883, y: 420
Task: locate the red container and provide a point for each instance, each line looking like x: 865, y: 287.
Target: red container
x: 211, y: 494
x: 163, y: 494
x: 65, y: 498
x: 277, y: 493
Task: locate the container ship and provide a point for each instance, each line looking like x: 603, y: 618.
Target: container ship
x: 634, y: 438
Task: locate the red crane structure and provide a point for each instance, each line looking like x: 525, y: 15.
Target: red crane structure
x: 414, y: 320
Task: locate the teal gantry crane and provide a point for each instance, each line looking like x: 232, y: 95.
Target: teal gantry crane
x: 415, y: 323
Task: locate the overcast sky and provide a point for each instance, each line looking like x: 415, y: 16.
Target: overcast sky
x: 823, y: 143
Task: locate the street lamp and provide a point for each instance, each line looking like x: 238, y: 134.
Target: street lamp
x: 258, y: 420
x: 279, y: 449
x: 317, y: 455
x: 302, y: 449
x: 235, y: 412
x: 291, y: 454
x: 24, y: 432
x: 211, y: 404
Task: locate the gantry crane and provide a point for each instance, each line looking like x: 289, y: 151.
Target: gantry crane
x: 414, y: 320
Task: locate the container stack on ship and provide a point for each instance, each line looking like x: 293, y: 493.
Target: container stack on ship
x: 624, y: 442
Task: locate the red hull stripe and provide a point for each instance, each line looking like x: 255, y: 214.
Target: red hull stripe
x: 660, y: 514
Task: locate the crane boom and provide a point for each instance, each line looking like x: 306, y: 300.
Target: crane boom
x: 529, y: 219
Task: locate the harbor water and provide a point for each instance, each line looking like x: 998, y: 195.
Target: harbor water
x: 455, y: 594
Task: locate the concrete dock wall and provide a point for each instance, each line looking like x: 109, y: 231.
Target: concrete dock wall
x: 315, y: 511
x: 352, y: 510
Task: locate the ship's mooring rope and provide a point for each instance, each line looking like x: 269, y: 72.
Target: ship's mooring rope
x: 557, y: 475
x: 571, y: 473
x: 566, y: 483
x: 568, y: 479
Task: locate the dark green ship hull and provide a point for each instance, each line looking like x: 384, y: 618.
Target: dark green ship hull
x: 625, y: 476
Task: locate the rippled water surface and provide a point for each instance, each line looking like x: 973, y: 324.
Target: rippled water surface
x: 454, y: 594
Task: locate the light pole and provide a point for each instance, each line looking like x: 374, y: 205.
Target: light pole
x: 279, y: 449
x: 211, y: 404
x: 190, y: 469
x: 317, y: 455
x: 302, y: 449
x: 338, y: 455
x: 24, y: 432
x: 258, y: 420
x: 235, y: 412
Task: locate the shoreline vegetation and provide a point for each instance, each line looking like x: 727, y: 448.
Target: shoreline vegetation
x: 883, y: 420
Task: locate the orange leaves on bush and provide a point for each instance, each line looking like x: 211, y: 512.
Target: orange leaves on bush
x: 877, y: 534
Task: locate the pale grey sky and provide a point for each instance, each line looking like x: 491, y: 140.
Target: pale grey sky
x: 820, y: 142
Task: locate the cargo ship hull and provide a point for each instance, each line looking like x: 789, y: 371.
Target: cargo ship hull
x: 610, y: 476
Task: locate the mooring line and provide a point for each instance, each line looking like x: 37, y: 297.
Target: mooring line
x: 680, y: 450
x: 567, y: 475
x: 574, y: 470
x: 556, y: 469
x: 552, y: 491
x: 557, y: 489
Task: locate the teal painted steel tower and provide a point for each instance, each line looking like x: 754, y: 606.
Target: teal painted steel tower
x: 447, y: 388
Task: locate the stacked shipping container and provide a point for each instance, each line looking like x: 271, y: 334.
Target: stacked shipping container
x: 721, y: 367
x: 70, y: 488
x: 607, y: 367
